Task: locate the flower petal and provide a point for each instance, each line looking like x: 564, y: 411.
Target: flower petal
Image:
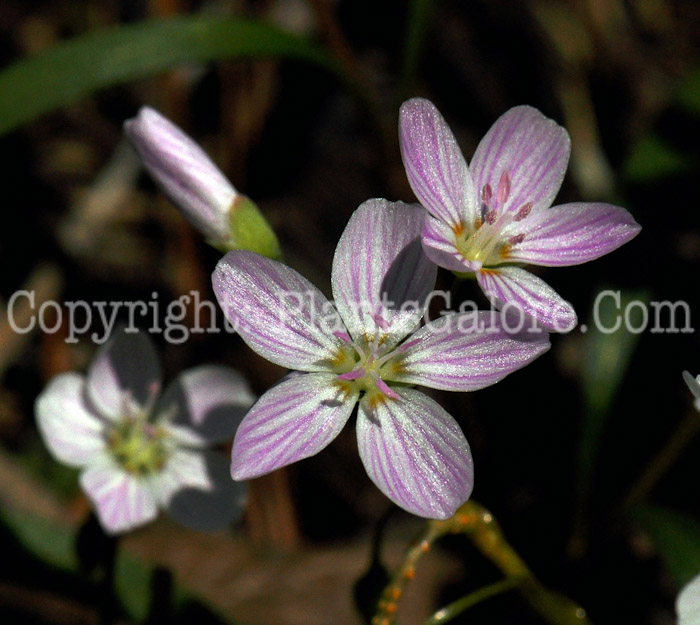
x: 196, y: 489
x: 277, y: 312
x: 72, y: 432
x: 693, y: 383
x: 124, y: 368
x: 466, y: 351
x: 573, y: 233
x: 688, y: 603
x: 183, y: 170
x: 122, y: 501
x: 415, y: 453
x: 440, y: 246
x: 293, y: 420
x: 381, y: 276
x: 532, y: 149
x: 514, y: 289
x: 205, y: 405
x: 435, y: 166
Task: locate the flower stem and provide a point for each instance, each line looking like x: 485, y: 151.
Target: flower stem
x: 461, y: 605
x: 681, y: 437
x: 478, y: 524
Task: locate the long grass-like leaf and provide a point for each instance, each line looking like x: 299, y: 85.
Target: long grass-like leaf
x: 78, y: 67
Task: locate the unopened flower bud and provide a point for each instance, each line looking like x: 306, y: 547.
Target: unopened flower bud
x: 228, y: 219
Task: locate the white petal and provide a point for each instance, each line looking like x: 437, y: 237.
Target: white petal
x: 293, y: 420
x: 127, y: 365
x: 196, y: 489
x: 516, y: 290
x: 415, y: 453
x: 277, y: 312
x: 532, y: 149
x: 205, y: 405
x: 688, y: 603
x: 435, y: 166
x: 466, y: 351
x: 122, y: 501
x: 381, y: 275
x: 71, y: 431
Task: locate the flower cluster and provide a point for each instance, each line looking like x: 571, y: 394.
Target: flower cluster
x: 367, y: 348
x: 138, y: 450
x: 411, y: 448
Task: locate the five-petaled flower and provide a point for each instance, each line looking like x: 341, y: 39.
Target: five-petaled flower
x: 369, y: 349
x: 138, y: 451
x: 688, y: 603
x: 495, y: 214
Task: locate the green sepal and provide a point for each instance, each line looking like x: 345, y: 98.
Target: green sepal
x: 250, y: 230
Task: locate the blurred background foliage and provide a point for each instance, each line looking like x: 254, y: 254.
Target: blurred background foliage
x: 588, y: 458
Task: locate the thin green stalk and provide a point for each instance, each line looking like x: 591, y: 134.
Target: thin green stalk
x: 456, y: 608
x: 679, y: 440
x: 478, y: 524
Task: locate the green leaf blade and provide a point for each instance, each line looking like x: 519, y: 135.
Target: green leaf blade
x: 75, y: 68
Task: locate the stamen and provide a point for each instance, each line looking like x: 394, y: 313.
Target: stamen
x: 490, y: 217
x: 503, y: 188
x: 343, y: 336
x: 153, y: 393
x: 352, y: 375
x: 386, y: 389
x: 518, y: 238
x: 486, y: 194
x: 523, y: 212
x: 380, y: 321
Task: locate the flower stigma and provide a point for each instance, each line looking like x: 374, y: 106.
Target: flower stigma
x: 364, y: 364
x: 137, y: 444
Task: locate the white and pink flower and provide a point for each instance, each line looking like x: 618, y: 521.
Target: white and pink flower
x: 366, y: 350
x: 490, y: 217
x: 138, y: 450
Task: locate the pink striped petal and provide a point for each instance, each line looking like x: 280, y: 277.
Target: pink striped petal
x: 688, y: 603
x: 205, y: 405
x: 277, y: 312
x: 514, y: 289
x: 122, y: 501
x: 534, y: 152
x: 185, y: 173
x: 125, y: 372
x: 573, y: 233
x: 73, y: 433
x: 196, y: 489
x: 436, y: 169
x: 439, y: 245
x: 293, y: 420
x: 381, y: 277
x: 415, y: 453
x: 466, y: 351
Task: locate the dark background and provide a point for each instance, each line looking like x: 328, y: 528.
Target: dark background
x: 622, y: 76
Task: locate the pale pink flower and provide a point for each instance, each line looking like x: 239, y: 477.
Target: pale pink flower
x: 490, y: 217
x: 138, y: 450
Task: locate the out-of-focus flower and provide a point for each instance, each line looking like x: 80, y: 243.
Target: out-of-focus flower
x: 366, y: 349
x: 228, y: 219
x: 694, y: 386
x: 495, y: 214
x: 688, y: 603
x: 139, y: 450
